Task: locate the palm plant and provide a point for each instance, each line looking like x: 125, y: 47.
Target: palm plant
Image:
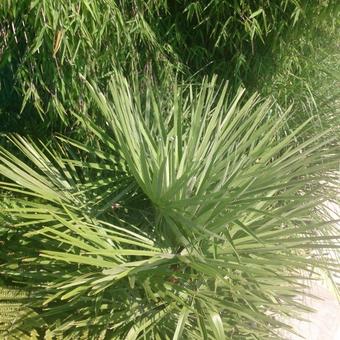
x: 190, y: 215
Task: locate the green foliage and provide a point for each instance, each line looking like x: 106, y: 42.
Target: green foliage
x: 17, y: 321
x: 143, y: 197
x: 190, y: 219
x: 303, y: 69
x: 46, y: 44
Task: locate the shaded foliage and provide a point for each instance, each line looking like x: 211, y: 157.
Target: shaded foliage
x: 46, y: 44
